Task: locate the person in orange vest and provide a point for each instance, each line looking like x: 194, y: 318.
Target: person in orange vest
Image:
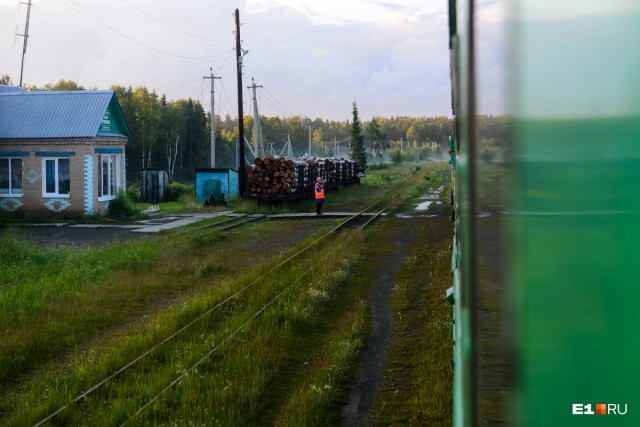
x: 319, y: 195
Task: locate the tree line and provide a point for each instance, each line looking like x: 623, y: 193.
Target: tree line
x: 175, y: 135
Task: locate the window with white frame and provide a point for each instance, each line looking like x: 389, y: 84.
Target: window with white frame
x: 56, y: 177
x: 108, y: 182
x: 10, y: 177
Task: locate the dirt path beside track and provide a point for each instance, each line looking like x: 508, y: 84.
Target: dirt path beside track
x: 371, y: 369
x: 403, y: 265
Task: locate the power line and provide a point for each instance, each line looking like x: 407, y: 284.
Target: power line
x: 274, y: 106
x: 172, y: 27
x: 222, y: 106
x: 95, y: 18
x: 181, y: 87
x: 278, y: 102
x: 62, y: 15
x: 225, y: 61
x: 224, y: 90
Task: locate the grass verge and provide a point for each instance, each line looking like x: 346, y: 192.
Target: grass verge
x: 231, y: 386
x: 52, y: 300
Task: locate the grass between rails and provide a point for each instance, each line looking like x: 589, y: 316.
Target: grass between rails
x: 52, y: 300
x: 418, y: 381
x: 232, y: 385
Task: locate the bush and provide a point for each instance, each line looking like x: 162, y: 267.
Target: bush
x: 396, y: 155
x: 176, y: 191
x: 120, y: 207
x: 133, y: 192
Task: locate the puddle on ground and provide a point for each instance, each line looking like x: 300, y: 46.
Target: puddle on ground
x: 425, y: 205
x: 409, y: 216
x: 404, y: 216
x: 427, y: 200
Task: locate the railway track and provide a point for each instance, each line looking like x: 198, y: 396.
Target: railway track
x: 202, y: 320
x: 218, y: 226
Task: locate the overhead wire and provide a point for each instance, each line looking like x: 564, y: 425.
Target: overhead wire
x: 107, y: 25
x: 278, y: 102
x: 59, y: 13
x: 224, y: 90
x: 225, y: 60
x: 274, y: 106
x: 123, y: 52
x: 181, y: 87
x: 141, y: 10
x: 219, y: 106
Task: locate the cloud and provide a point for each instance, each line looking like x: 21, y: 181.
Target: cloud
x: 314, y: 57
x: 492, y: 65
x: 340, y: 12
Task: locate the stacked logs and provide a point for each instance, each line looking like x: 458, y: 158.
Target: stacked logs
x: 276, y: 175
x: 336, y: 173
x: 273, y: 175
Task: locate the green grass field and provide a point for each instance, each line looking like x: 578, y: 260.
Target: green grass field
x: 281, y: 352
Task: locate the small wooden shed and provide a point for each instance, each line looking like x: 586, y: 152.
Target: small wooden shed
x: 155, y: 183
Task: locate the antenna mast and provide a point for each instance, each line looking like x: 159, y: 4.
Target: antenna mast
x: 26, y: 38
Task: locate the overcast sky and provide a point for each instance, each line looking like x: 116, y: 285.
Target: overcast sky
x: 313, y: 57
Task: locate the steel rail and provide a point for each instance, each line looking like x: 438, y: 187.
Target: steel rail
x: 193, y: 230
x: 215, y: 307
x: 186, y: 372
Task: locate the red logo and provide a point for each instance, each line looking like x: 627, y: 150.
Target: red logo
x: 601, y: 408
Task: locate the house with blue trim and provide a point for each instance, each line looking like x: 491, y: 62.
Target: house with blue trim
x: 61, y: 152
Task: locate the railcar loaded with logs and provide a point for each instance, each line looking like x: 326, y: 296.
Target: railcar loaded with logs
x: 278, y: 178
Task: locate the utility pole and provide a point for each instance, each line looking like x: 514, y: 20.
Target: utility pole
x: 213, y: 119
x: 241, y: 169
x: 26, y: 38
x: 257, y: 134
x: 310, y: 124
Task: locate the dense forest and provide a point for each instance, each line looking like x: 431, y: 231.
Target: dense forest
x: 175, y: 135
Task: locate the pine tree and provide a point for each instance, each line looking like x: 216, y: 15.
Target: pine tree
x: 378, y: 138
x: 358, y: 152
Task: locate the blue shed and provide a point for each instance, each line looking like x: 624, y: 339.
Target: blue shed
x: 216, y: 181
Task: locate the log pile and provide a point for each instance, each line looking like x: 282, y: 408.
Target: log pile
x: 286, y: 177
x: 273, y: 175
x: 336, y: 173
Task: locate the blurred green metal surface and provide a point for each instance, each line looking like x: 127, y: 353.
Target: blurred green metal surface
x: 576, y: 205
